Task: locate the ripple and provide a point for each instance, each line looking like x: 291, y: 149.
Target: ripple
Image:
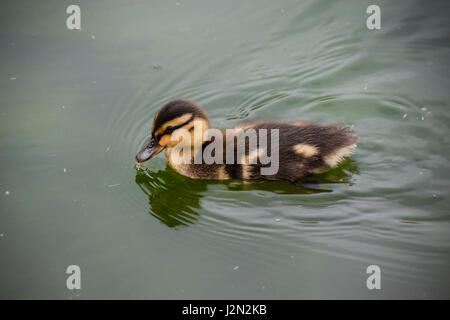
x: 359, y: 211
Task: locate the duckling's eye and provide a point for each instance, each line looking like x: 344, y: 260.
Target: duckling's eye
x: 170, y: 129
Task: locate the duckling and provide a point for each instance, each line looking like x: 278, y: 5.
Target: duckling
x: 297, y: 149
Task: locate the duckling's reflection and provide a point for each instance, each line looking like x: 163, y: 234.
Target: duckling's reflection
x: 175, y: 199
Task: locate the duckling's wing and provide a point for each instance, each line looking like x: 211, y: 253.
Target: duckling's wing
x: 306, y: 148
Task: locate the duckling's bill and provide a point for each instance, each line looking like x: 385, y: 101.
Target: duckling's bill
x: 149, y: 151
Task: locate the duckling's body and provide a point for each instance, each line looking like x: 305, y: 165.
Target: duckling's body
x: 303, y: 148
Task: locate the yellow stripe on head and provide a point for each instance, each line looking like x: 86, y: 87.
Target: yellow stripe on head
x: 172, y: 123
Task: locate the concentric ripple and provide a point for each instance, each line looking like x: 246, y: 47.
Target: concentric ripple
x: 351, y: 212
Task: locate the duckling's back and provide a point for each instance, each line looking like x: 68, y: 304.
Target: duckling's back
x: 303, y: 149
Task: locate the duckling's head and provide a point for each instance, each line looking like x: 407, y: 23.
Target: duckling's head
x: 169, y: 127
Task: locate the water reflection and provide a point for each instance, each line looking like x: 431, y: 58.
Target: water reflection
x: 175, y: 200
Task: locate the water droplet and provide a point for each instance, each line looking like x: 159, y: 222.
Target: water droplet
x: 422, y: 118
x: 107, y: 149
x: 7, y: 193
x: 365, y: 88
x: 236, y: 267
x: 65, y: 170
x: 424, y: 109
x: 405, y: 115
x: 13, y: 78
x: 277, y: 220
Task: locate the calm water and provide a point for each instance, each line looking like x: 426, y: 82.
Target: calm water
x: 77, y: 105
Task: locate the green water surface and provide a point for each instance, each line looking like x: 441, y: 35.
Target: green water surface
x: 76, y: 106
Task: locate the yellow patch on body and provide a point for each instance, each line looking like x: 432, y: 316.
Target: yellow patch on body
x: 249, y: 159
x: 222, y: 174
x: 246, y: 171
x: 306, y: 150
x: 252, y: 157
x: 300, y: 123
x: 338, y: 155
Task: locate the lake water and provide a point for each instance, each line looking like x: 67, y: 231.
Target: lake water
x: 76, y: 106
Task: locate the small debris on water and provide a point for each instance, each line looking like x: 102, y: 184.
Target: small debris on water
x: 405, y: 115
x: 107, y: 149
x: 7, y: 193
x: 93, y: 37
x: 113, y: 185
x: 277, y: 220
x: 236, y: 267
x: 365, y: 88
x: 65, y: 170
x: 424, y: 109
x: 13, y: 78
x: 422, y: 118
x: 434, y: 196
x: 292, y: 257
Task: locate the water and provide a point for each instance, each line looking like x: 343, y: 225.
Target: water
x: 76, y: 106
